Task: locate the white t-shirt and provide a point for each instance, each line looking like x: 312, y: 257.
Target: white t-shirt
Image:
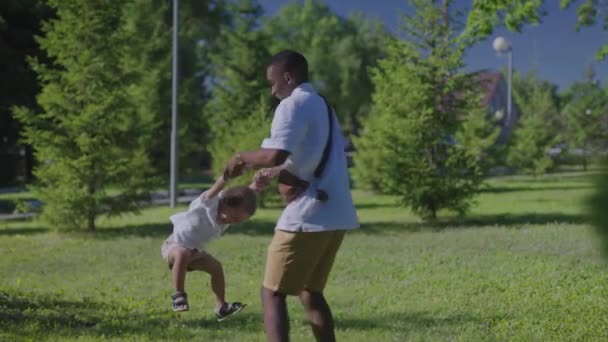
x: 198, y: 225
x: 300, y: 126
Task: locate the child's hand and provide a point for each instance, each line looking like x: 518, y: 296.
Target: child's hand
x: 262, y: 178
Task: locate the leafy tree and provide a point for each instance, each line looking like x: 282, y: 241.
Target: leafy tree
x: 239, y: 111
x: 485, y: 15
x: 339, y: 51
x: 149, y: 24
x: 428, y: 131
x: 587, y: 111
x: 539, y: 121
x: 89, y: 137
x: 596, y: 205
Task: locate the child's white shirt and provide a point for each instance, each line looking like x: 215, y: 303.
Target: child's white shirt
x: 198, y: 225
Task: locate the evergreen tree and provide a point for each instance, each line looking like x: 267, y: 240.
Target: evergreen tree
x: 596, y: 205
x: 89, y: 137
x: 240, y: 88
x: 587, y: 111
x: 537, y: 127
x: 422, y: 105
x: 149, y: 24
x: 339, y: 52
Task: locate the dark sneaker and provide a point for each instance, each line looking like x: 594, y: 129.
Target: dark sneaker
x: 228, y: 310
x: 180, y: 302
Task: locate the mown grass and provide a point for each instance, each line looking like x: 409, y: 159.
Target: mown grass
x: 522, y: 266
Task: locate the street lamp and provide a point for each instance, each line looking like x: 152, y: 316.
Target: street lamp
x: 499, y: 114
x: 174, y: 147
x: 502, y: 46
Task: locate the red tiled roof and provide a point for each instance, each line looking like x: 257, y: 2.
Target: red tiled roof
x: 489, y: 81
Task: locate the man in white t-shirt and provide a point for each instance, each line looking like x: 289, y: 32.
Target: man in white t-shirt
x: 315, y: 184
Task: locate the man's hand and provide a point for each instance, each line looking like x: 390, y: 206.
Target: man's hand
x: 234, y: 168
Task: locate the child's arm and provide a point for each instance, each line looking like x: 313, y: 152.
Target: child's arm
x: 262, y: 177
x: 216, y: 188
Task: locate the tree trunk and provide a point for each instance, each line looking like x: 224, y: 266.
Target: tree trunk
x: 585, y: 156
x: 91, y: 212
x: 91, y: 222
x: 445, y: 13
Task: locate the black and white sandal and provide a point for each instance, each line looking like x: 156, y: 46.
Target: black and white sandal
x: 180, y: 302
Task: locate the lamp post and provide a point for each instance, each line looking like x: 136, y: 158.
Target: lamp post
x: 502, y: 47
x: 585, y: 143
x: 174, y: 122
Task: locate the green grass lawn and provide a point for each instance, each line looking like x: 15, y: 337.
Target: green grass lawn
x: 522, y: 266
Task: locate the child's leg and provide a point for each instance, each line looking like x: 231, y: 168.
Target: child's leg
x: 180, y: 257
x: 207, y: 263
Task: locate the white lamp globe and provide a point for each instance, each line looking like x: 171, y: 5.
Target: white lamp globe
x: 500, y: 44
x: 499, y: 114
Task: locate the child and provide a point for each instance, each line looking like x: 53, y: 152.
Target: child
x: 207, y: 218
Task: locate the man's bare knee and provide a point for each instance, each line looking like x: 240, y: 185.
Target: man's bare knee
x: 310, y: 299
x: 269, y: 295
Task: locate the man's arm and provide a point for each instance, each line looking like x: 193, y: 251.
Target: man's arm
x: 264, y: 157
x: 288, y: 130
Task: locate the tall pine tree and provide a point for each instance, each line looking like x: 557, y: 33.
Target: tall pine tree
x: 423, y: 104
x: 339, y: 52
x: 239, y: 112
x: 587, y: 113
x: 149, y: 24
x: 89, y: 137
x: 535, y: 135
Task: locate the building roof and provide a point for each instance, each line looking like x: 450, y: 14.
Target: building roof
x: 489, y: 82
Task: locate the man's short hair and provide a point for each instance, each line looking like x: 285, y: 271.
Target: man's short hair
x: 292, y: 62
x: 241, y: 197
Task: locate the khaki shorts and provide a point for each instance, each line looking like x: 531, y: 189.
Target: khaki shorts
x: 298, y: 260
x: 196, y: 255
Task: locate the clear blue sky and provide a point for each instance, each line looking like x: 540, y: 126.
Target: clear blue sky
x: 559, y: 53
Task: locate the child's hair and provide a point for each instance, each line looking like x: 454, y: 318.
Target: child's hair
x: 241, y: 197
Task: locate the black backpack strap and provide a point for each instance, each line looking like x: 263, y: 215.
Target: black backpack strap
x: 327, y: 149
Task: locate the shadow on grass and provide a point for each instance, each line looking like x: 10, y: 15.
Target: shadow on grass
x: 155, y: 230
x: 369, y: 205
x: 504, y: 220
x: 552, y: 178
x: 411, y: 321
x: 500, y: 190
x: 266, y: 227
x: 29, y: 315
x: 22, y: 231
x: 254, y: 227
x: 404, y: 320
x: 140, y: 230
x: 50, y: 316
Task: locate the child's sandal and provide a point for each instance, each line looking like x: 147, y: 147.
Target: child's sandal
x: 180, y: 302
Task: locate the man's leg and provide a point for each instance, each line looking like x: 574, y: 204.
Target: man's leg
x: 312, y: 298
x: 292, y: 258
x: 276, y: 318
x: 319, y: 314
